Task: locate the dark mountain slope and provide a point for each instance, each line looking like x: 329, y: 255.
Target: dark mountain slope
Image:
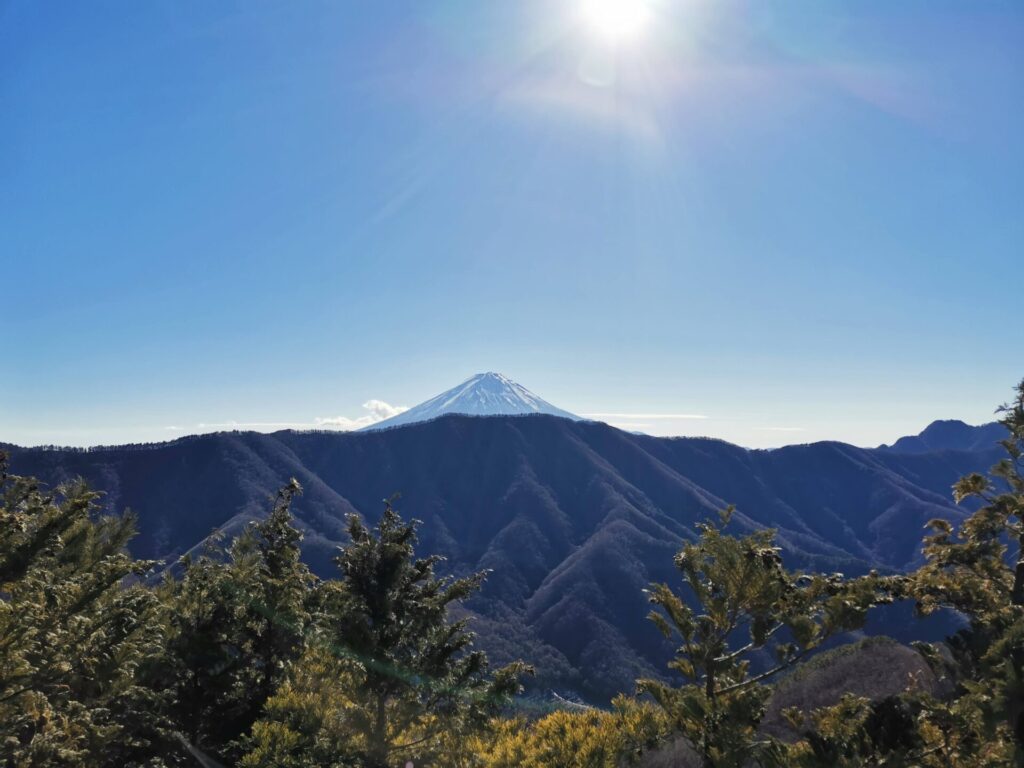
x: 574, y: 518
x: 949, y: 435
x: 830, y: 501
x: 186, y: 489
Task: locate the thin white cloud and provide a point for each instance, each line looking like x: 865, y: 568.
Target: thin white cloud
x: 644, y: 416
x: 377, y: 410
x: 780, y: 429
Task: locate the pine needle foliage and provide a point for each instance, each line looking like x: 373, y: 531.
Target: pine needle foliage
x: 585, y: 737
x: 76, y: 630
x: 237, y: 618
x: 977, y: 570
x: 741, y: 600
x: 408, y: 682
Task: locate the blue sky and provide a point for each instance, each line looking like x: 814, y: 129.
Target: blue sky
x: 801, y: 220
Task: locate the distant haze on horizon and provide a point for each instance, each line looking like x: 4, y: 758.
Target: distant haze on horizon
x: 798, y: 221
x: 751, y: 429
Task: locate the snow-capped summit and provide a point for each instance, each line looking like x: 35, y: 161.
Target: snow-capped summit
x: 486, y: 394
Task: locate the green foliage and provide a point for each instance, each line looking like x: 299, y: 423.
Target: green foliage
x: 978, y: 570
x: 911, y: 730
x: 304, y: 723
x: 582, y: 738
x: 857, y: 732
x: 745, y: 599
x: 243, y: 653
x: 73, y: 637
x: 235, y: 620
x: 276, y: 584
x: 407, y: 683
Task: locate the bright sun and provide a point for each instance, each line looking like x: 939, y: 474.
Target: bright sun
x: 616, y: 21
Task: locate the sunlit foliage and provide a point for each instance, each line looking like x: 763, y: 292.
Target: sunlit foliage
x: 74, y: 633
x: 742, y: 599
x: 978, y: 570
x: 235, y: 620
x: 582, y: 737
x: 407, y: 683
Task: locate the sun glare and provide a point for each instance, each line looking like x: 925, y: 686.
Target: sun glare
x: 616, y: 21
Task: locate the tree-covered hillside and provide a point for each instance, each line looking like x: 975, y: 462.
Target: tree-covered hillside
x: 572, y: 518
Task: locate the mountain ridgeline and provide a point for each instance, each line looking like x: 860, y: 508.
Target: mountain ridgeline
x: 573, y: 518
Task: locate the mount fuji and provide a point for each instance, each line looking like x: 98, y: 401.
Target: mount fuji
x: 486, y: 394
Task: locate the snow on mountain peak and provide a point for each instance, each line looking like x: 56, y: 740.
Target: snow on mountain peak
x: 485, y: 394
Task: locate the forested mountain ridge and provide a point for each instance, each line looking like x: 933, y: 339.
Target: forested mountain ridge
x: 573, y: 518
x: 950, y: 435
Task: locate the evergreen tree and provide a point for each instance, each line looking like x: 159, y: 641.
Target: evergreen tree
x: 201, y: 663
x: 73, y: 637
x: 277, y: 585
x: 745, y: 600
x: 859, y: 732
x: 978, y: 571
x: 304, y: 725
x: 237, y: 619
x: 408, y: 684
